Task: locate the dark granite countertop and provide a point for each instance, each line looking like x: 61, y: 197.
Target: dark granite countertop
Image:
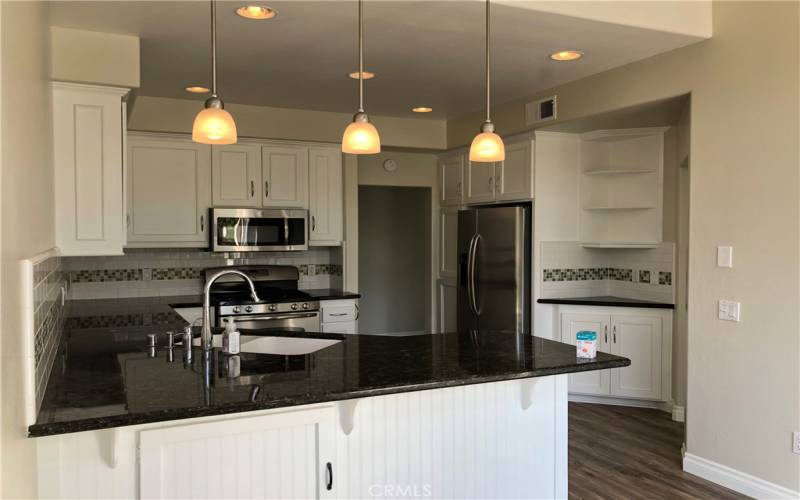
x: 105, y: 376
x: 607, y: 301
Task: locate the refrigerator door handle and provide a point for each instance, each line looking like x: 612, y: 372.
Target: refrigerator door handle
x: 471, y: 274
x: 473, y: 271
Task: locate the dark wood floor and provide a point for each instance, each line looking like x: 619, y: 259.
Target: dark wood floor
x: 631, y: 453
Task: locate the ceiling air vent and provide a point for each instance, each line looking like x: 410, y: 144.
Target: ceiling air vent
x: 542, y: 110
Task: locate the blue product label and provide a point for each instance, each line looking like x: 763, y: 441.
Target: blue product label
x: 586, y: 335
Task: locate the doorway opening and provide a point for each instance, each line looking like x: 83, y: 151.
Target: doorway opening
x: 394, y: 259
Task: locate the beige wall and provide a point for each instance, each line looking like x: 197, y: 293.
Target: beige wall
x: 27, y: 212
x: 158, y: 114
x: 743, y: 378
x: 92, y: 57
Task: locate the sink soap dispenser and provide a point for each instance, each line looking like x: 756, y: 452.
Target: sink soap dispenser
x: 230, y: 339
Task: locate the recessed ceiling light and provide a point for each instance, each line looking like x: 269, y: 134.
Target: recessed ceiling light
x: 422, y: 109
x: 367, y: 75
x: 566, y: 55
x: 197, y: 89
x: 258, y: 12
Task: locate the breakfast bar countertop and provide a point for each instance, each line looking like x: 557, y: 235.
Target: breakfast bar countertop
x: 105, y: 375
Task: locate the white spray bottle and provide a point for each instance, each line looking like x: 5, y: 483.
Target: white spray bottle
x: 230, y: 339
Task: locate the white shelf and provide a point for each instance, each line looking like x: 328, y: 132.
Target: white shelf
x: 590, y: 244
x: 606, y: 208
x: 618, y: 171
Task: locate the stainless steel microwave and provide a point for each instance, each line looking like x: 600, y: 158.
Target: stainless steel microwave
x: 257, y: 230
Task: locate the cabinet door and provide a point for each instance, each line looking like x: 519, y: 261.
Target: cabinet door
x: 285, y: 176
x: 325, y: 196
x: 88, y: 128
x: 343, y: 328
x: 513, y: 177
x: 480, y: 182
x: 448, y: 242
x: 169, y: 183
x: 594, y: 382
x: 639, y: 339
x: 281, y: 455
x: 451, y: 179
x: 236, y: 175
x: 448, y: 306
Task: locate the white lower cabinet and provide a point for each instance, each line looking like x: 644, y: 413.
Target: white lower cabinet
x: 283, y: 455
x: 339, y: 316
x: 642, y: 335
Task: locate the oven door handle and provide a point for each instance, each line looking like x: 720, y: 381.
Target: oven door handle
x: 277, y: 316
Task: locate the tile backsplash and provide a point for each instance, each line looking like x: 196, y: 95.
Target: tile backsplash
x: 569, y: 270
x: 47, y: 281
x: 161, y: 272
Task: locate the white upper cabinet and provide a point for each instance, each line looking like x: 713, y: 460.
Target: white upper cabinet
x: 236, y: 175
x: 285, y: 176
x: 169, y: 191
x: 325, y: 196
x: 451, y: 179
x: 480, y: 182
x: 88, y: 132
x: 514, y: 175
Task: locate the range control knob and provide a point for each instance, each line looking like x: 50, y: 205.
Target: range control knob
x: 237, y: 309
x: 305, y: 305
x: 248, y: 308
x: 273, y: 307
x: 294, y: 307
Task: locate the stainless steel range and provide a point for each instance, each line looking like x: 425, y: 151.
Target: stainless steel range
x: 283, y: 307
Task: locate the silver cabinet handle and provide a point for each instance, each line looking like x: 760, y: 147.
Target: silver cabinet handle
x: 252, y: 189
x: 489, y: 183
x: 313, y: 223
x: 605, y: 332
x: 337, y: 314
x: 266, y: 189
x: 358, y: 312
x: 202, y: 223
x: 128, y: 220
x: 615, y: 334
x: 458, y: 188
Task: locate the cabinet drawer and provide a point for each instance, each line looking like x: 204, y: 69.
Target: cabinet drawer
x: 344, y: 328
x: 338, y: 314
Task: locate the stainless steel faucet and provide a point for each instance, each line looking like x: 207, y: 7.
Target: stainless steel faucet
x: 207, y: 338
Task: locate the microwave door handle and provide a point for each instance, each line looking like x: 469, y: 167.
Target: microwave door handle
x: 286, y: 230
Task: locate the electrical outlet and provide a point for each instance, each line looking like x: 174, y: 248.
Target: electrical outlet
x: 147, y: 274
x: 796, y: 442
x: 312, y: 269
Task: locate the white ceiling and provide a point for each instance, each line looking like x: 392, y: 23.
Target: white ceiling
x: 427, y: 53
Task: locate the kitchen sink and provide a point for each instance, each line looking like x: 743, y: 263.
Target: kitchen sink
x: 282, y: 346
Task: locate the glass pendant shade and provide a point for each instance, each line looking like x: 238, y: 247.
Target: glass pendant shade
x: 487, y: 147
x: 361, y: 138
x: 214, y: 126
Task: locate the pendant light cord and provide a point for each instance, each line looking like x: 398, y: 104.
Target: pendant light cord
x: 488, y: 83
x: 213, y: 48
x: 360, y: 56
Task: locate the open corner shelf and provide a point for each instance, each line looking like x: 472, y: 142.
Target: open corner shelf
x: 618, y: 171
x: 600, y: 208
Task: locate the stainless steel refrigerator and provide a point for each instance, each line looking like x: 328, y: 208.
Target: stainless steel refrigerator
x: 494, y: 268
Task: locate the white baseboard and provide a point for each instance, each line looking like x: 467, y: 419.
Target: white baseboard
x: 609, y: 400
x: 734, y: 479
x: 678, y: 413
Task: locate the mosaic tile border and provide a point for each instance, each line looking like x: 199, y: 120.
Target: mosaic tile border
x: 178, y: 273
x: 603, y: 273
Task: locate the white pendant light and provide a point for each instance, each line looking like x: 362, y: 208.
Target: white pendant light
x: 361, y: 137
x: 214, y: 125
x: 487, y: 146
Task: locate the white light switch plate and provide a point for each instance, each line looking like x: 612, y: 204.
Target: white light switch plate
x: 796, y: 442
x: 730, y: 310
x: 724, y: 256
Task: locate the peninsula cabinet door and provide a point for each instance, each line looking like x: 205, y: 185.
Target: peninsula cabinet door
x: 281, y: 456
x: 169, y: 183
x: 593, y: 382
x: 639, y: 339
x: 236, y: 175
x: 284, y: 176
